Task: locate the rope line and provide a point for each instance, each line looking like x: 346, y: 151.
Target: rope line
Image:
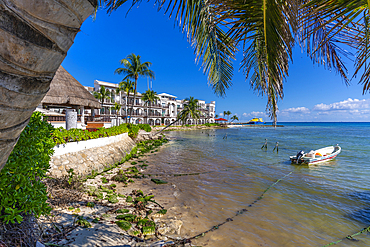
x: 239, y: 212
x: 350, y: 237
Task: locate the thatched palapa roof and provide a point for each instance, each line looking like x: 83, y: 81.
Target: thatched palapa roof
x: 65, y: 90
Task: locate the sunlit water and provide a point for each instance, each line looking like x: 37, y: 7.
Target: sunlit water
x: 313, y: 206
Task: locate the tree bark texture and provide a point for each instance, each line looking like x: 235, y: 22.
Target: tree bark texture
x: 35, y: 36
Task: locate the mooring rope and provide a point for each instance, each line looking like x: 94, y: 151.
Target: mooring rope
x: 350, y: 237
x: 239, y: 212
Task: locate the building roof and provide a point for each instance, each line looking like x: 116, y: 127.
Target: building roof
x: 106, y: 84
x: 65, y: 90
x: 167, y: 95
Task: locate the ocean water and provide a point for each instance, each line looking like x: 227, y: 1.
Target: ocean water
x: 313, y: 206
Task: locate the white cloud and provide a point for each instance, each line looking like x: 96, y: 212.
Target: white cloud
x: 221, y: 114
x: 255, y: 114
x: 349, y: 104
x: 346, y: 110
x: 296, y: 110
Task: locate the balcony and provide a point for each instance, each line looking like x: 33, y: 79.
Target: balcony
x: 153, y: 114
x: 154, y: 105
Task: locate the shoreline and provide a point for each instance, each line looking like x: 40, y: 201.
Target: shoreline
x: 106, y: 231
x: 186, y: 128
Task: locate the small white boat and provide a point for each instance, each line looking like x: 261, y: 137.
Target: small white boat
x: 316, y: 156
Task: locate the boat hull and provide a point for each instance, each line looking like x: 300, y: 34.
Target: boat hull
x: 318, y: 157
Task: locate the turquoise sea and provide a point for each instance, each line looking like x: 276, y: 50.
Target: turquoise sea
x: 313, y: 206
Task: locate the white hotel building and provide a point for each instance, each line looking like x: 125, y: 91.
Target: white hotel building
x: 163, y: 111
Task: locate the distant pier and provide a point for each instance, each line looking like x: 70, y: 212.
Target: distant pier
x: 233, y: 125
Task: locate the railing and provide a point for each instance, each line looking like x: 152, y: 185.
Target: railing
x: 154, y: 105
x: 155, y: 115
x: 56, y: 118
x: 108, y: 118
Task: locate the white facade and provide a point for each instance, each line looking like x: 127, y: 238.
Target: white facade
x: 164, y: 111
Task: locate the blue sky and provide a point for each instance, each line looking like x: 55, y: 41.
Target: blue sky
x: 311, y: 93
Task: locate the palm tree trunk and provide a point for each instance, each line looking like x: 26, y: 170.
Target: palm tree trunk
x: 126, y: 106
x: 34, y: 42
x: 147, y: 114
x: 167, y: 127
x: 132, y: 107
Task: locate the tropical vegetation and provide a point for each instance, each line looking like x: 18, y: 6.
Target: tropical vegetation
x: 234, y: 118
x: 149, y: 97
x: 266, y: 30
x: 133, y: 69
x: 227, y: 113
x: 22, y: 191
x: 62, y: 136
x: 190, y: 110
x: 127, y: 87
x: 117, y: 107
x: 102, y: 94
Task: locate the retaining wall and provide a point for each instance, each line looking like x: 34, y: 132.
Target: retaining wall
x: 85, y: 156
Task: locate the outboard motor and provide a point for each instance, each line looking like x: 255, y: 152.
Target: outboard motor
x: 299, y: 156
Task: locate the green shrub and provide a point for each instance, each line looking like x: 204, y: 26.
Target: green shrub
x: 145, y: 127
x: 21, y: 187
x: 133, y: 130
x: 61, y: 135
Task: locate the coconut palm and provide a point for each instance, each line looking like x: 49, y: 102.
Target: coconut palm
x: 133, y: 68
x: 234, y: 118
x: 149, y: 97
x: 267, y: 29
x: 117, y: 108
x: 190, y: 110
x: 102, y: 94
x: 227, y: 113
x: 127, y: 87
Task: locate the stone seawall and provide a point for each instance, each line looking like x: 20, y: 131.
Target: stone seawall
x: 85, y: 156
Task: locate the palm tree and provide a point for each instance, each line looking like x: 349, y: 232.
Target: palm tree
x: 117, y: 108
x: 126, y: 86
x: 216, y: 116
x: 149, y: 97
x: 102, y: 94
x: 133, y: 68
x: 234, y: 118
x: 40, y: 46
x: 227, y: 113
x: 190, y: 110
x: 267, y: 29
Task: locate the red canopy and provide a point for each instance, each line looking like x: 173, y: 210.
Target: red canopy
x: 220, y: 119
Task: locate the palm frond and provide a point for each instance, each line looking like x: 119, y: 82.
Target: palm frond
x: 267, y: 29
x: 325, y: 31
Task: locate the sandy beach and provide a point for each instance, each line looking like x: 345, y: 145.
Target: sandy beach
x: 103, y: 230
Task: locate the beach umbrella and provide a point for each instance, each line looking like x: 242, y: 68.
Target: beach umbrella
x: 220, y: 119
